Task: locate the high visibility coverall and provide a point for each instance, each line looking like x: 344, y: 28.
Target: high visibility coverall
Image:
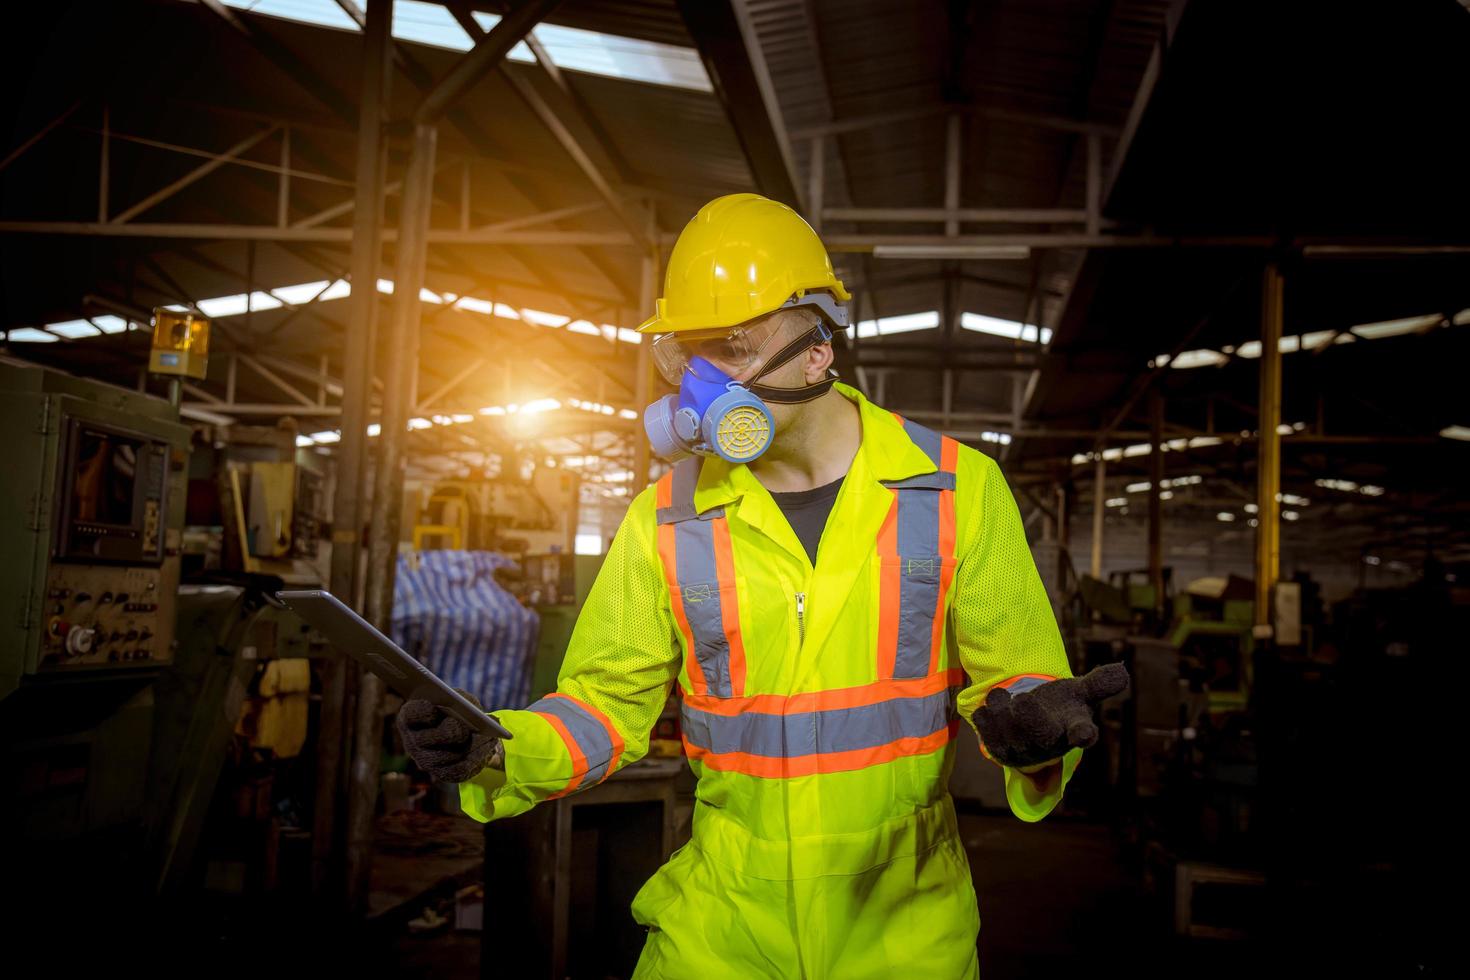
x: 820, y: 706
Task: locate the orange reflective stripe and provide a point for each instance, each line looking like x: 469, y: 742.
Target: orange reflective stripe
x: 729, y: 610
x: 667, y: 556
x: 890, y: 586
x: 846, y: 697
x: 579, y: 761
x: 949, y: 460
x: 1010, y: 681
x: 825, y: 762
x: 605, y: 722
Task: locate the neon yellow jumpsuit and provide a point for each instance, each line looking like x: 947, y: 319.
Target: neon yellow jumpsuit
x: 820, y: 706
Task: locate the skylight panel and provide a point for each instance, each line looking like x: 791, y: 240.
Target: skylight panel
x: 108, y: 323
x: 30, y: 335
x: 906, y: 323
x: 1009, y: 329
x: 322, y: 13
x: 72, y: 329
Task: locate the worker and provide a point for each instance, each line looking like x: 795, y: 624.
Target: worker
x: 834, y: 589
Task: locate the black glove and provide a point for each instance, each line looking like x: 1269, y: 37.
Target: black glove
x: 1041, y: 724
x: 442, y: 745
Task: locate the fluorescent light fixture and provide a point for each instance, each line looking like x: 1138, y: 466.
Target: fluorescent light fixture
x: 1292, y: 500
x: 951, y: 252
x: 629, y: 336
x: 627, y: 413
x: 1138, y: 487
x: 541, y: 405
x: 72, y: 329
x: 1000, y: 438
x: 1116, y: 502
x: 460, y: 418
x: 304, y: 441
x: 441, y: 420
x: 429, y: 296
x: 580, y: 326
x: 1225, y: 516
x: 385, y: 286
x: 328, y: 435
x: 420, y: 423
x: 108, y: 323
x: 1290, y: 515
x: 507, y: 312
x: 1252, y: 509
x: 1395, y: 328
x: 1372, y: 560
x: 493, y: 410
x: 1461, y: 432
x: 374, y: 430
x: 1166, y: 494
x: 1199, y: 358
x: 1009, y: 329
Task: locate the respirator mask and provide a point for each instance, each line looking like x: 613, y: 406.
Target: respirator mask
x: 715, y: 415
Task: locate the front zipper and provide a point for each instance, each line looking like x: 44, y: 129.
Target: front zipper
x: 801, y: 617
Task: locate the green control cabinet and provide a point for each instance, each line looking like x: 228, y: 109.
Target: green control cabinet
x: 556, y: 587
x: 91, y: 507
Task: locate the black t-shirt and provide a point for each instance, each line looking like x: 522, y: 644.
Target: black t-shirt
x: 807, y: 512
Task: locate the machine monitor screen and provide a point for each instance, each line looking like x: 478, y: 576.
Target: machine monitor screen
x: 106, y: 481
x: 112, y: 503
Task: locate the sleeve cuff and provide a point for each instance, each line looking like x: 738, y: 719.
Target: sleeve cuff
x: 1035, y: 795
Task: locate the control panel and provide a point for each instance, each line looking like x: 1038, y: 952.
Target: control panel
x: 105, y: 616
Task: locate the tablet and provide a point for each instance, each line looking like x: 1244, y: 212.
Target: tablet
x: 356, y: 637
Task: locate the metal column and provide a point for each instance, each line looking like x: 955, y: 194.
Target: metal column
x: 1268, y: 446
x: 400, y: 392
x: 1099, y: 501
x: 1155, y: 502
x: 643, y: 385
x: 357, y: 373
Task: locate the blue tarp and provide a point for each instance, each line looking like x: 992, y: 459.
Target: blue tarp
x: 450, y: 613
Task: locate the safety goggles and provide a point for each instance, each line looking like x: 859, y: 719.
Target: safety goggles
x: 707, y: 354
x: 736, y: 350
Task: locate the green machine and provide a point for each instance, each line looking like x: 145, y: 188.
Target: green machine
x: 556, y: 586
x: 91, y: 508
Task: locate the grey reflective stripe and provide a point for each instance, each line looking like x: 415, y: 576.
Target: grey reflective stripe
x: 699, y: 588
x: 1025, y: 684
x: 592, y: 739
x: 698, y: 575
x: 918, y: 581
x: 816, y: 732
x: 926, y: 439
x: 681, y: 501
x: 921, y: 562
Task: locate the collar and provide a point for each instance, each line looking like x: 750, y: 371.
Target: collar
x: 886, y: 453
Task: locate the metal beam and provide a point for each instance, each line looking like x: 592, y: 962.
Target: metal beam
x: 559, y: 131
x: 39, y: 135
x: 956, y: 214
x: 271, y: 233
x: 198, y: 173
x: 732, y: 57
x: 487, y: 54
x: 286, y: 60
x: 857, y: 123
x: 1268, y: 447
x: 449, y: 385
x: 275, y: 379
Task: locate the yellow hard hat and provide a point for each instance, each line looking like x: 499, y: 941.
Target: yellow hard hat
x: 742, y: 256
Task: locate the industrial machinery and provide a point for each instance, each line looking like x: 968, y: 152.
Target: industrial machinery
x: 508, y: 514
x: 92, y: 538
x: 556, y: 586
x: 92, y: 504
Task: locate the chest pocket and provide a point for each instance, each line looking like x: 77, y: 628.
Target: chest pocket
x: 698, y: 565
